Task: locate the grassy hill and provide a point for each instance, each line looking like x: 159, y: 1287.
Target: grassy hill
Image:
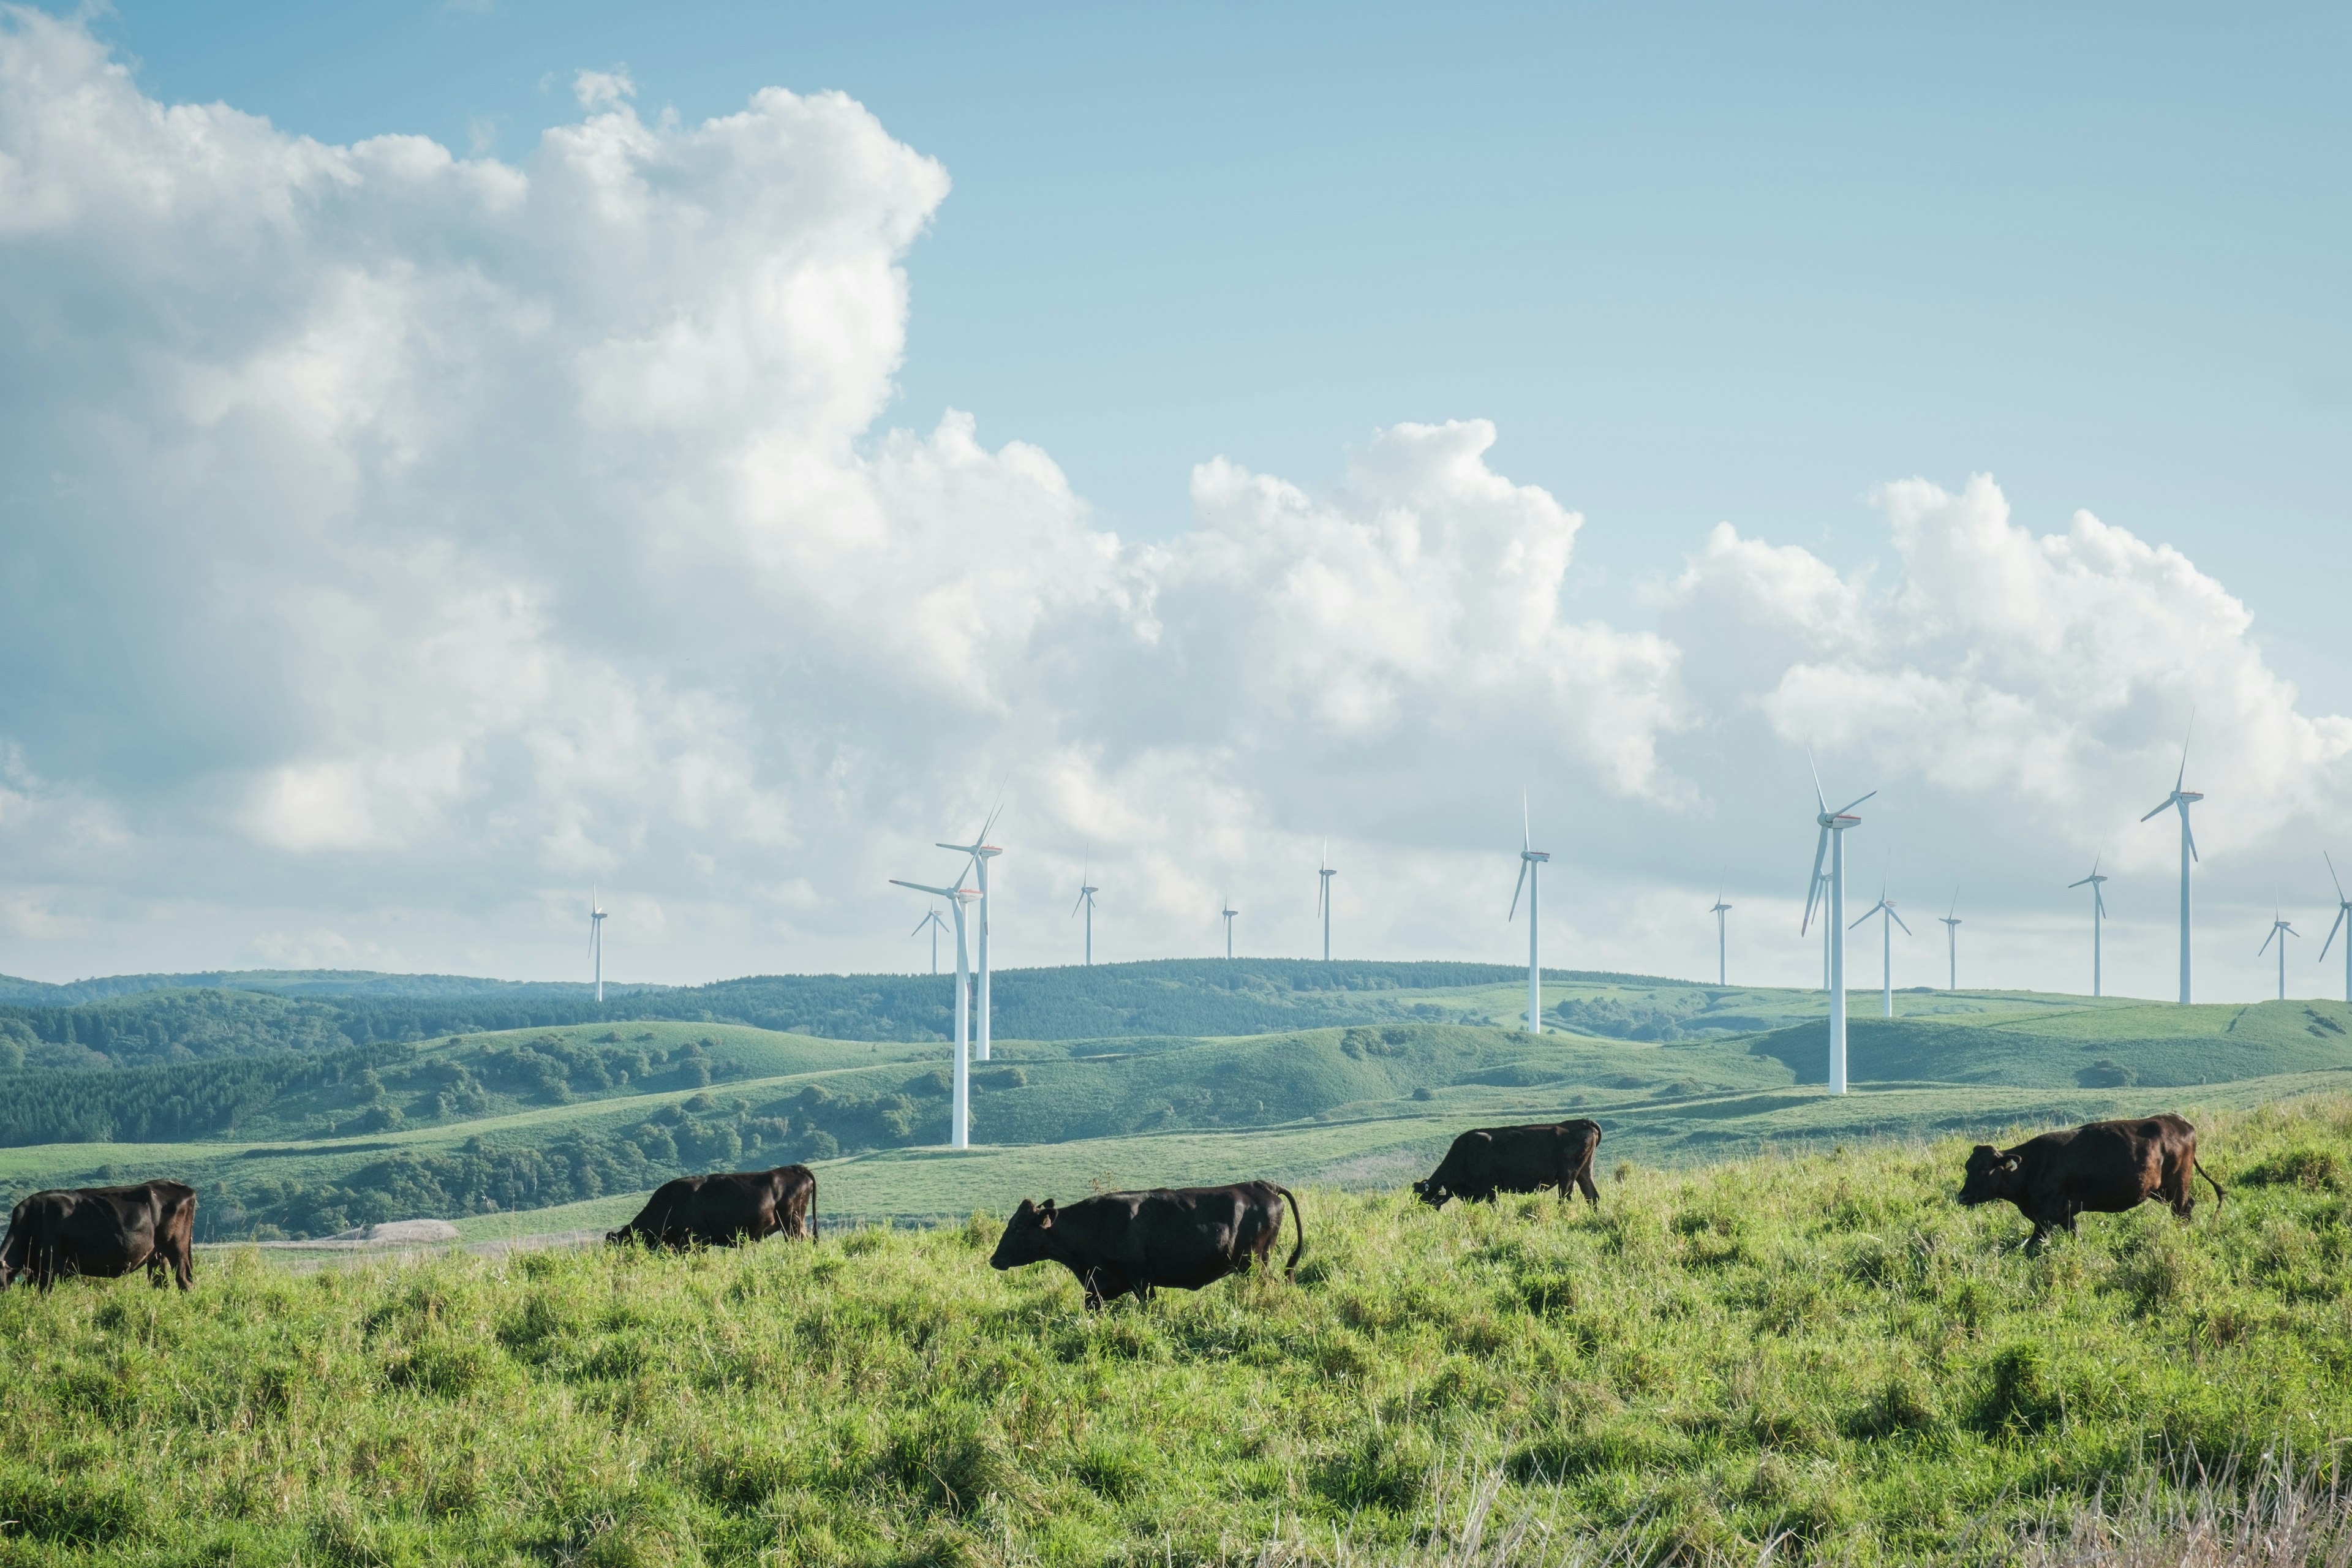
x: 1822, y: 1352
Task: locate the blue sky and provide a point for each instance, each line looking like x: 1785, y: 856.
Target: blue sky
x: 1696, y: 265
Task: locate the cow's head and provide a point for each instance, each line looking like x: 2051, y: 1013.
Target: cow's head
x: 1028, y: 1236
x: 1431, y: 1193
x: 1992, y: 1176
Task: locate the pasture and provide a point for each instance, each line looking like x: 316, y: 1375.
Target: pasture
x: 1816, y: 1349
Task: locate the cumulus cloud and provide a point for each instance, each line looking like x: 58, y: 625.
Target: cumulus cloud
x: 392, y: 542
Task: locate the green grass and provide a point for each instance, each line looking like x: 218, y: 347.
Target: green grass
x: 1822, y: 1347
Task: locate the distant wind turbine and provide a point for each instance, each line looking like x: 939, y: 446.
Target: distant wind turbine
x: 982, y: 852
x: 2280, y: 929
x: 1952, y: 934
x: 931, y: 920
x: 2098, y: 915
x: 1886, y: 948
x: 2181, y: 800
x: 1323, y: 895
x: 596, y: 942
x: 1226, y: 912
x: 1721, y: 949
x: 959, y: 1105
x: 1531, y: 861
x: 1087, y: 891
x: 1831, y: 847
x: 2343, y: 909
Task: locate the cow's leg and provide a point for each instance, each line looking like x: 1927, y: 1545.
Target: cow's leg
x: 184, y: 1267
x: 1584, y: 1181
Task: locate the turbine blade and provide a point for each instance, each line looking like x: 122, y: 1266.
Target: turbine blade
x: 2332, y: 875
x: 1849, y: 805
x: 2266, y: 942
x: 2160, y: 805
x: 2324, y: 946
x: 2184, y: 749
x: 2072, y: 885
x: 1897, y: 918
x: 1956, y: 903
x: 1813, y: 887
x: 2099, y: 898
x: 2189, y: 829
x: 1518, y: 887
x: 1819, y: 799
x: 1527, y: 823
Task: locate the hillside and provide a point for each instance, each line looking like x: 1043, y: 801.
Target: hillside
x: 486, y: 1126
x: 1822, y: 1352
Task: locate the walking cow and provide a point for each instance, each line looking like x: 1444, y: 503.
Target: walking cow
x: 1181, y: 1238
x: 2102, y: 1167
x: 103, y: 1232
x: 725, y: 1208
x: 1490, y: 1159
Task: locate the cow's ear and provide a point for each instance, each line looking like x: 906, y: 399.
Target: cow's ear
x: 1046, y: 1214
x: 1026, y: 1207
x: 2013, y: 1162
x: 1984, y: 1150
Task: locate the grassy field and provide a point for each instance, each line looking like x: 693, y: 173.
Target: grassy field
x: 1821, y: 1350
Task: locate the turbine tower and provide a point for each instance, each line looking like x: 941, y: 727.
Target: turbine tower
x: 1323, y: 896
x: 2181, y: 800
x: 2098, y: 913
x: 931, y: 920
x: 1226, y: 912
x: 1830, y: 889
x: 2343, y: 909
x: 1721, y: 910
x: 1531, y: 861
x: 596, y: 942
x: 959, y: 1105
x: 1087, y: 891
x: 982, y: 852
x: 2280, y: 929
x: 1952, y: 934
x: 1886, y: 948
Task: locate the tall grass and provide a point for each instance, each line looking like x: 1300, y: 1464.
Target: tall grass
x: 1820, y: 1356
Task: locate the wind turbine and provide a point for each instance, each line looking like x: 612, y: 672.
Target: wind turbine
x: 1227, y: 912
x: 959, y: 1105
x: 1832, y: 890
x: 2181, y: 800
x: 1886, y: 948
x: 2099, y: 914
x: 2343, y: 909
x: 982, y: 852
x: 1531, y: 861
x: 1952, y: 933
x: 931, y: 920
x: 1323, y: 895
x: 596, y: 942
x: 2280, y: 929
x: 1721, y: 910
x: 1087, y: 891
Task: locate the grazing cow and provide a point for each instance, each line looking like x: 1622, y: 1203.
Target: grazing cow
x: 1490, y: 1159
x: 104, y: 1231
x: 1181, y: 1237
x: 2104, y: 1167
x: 725, y: 1208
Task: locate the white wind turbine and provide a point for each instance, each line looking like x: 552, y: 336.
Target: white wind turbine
x: 982, y: 852
x: 2343, y: 909
x: 2181, y: 800
x: 1226, y: 912
x: 1721, y: 910
x: 1531, y: 861
x: 931, y: 918
x: 1087, y: 891
x: 2280, y: 929
x: 1323, y: 895
x: 596, y: 942
x: 1952, y: 934
x: 1831, y: 888
x: 1886, y: 950
x: 2098, y: 915
x: 959, y: 1105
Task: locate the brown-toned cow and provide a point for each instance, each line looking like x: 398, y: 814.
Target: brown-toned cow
x: 105, y: 1232
x: 1489, y: 1160
x: 2101, y: 1167
x: 725, y: 1208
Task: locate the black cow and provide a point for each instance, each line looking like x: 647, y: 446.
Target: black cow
x: 2104, y: 1167
x: 1181, y: 1237
x: 725, y: 1207
x: 1490, y: 1159
x: 104, y: 1231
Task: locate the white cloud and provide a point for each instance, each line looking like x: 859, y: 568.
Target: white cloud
x: 392, y: 542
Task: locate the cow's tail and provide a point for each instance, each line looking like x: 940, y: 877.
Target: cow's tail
x: 2218, y: 1195
x: 1298, y: 1219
